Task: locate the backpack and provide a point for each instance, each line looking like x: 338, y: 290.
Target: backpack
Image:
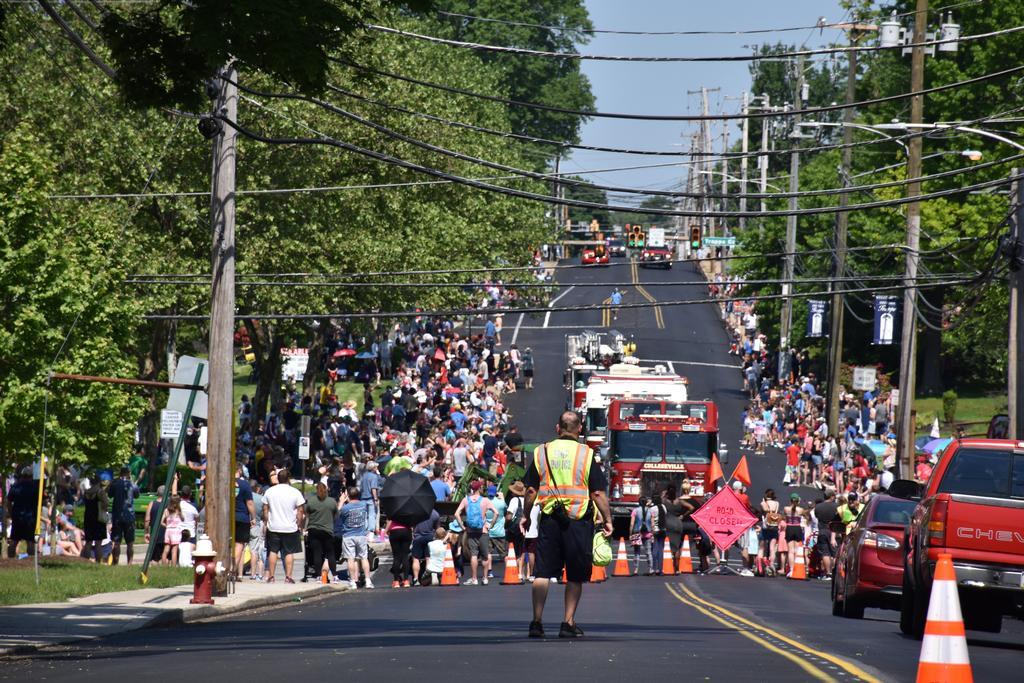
x: 658, y: 520
x: 474, y: 514
x: 773, y: 518
x: 515, y: 518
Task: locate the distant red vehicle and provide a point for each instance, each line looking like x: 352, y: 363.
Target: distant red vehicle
x: 869, y: 565
x: 595, y: 257
x: 656, y: 256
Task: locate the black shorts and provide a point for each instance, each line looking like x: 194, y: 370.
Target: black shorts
x: 95, y: 532
x: 824, y: 546
x: 419, y: 547
x: 243, y: 532
x: 794, y: 534
x: 284, y: 543
x: 23, y: 531
x: 122, y: 528
x: 565, y: 543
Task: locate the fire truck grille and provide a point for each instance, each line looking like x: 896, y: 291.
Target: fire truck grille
x: 653, y: 483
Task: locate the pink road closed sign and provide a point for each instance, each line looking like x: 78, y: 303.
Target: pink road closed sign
x: 724, y: 518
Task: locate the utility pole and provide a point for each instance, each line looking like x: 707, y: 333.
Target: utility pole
x: 222, y: 327
x: 743, y: 162
x: 1015, y: 376
x: 725, y: 176
x: 556, y: 209
x: 838, y: 308
x: 762, y: 162
x: 790, y: 259
x: 908, y: 337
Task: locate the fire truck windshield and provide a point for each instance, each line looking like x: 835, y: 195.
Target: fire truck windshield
x: 679, y: 447
x: 689, y: 447
x: 597, y: 418
x: 637, y: 446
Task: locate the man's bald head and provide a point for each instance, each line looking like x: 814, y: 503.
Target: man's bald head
x: 569, y: 424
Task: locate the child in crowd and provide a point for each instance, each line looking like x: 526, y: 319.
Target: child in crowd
x: 437, y: 549
x: 185, y: 549
x: 173, y: 522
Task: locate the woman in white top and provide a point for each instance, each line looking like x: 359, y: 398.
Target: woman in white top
x: 531, y: 541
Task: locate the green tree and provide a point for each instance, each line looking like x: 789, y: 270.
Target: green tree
x: 557, y: 82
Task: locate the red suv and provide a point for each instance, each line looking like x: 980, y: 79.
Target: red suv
x: 973, y: 508
x: 869, y: 565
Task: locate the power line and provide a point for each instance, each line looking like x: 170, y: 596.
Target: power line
x: 575, y: 56
x: 537, y: 309
x: 711, y: 156
x: 389, y: 132
x: 592, y: 31
x: 389, y: 159
x: 679, y: 117
x: 535, y: 285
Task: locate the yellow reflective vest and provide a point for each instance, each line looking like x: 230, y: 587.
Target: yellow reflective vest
x: 564, y: 469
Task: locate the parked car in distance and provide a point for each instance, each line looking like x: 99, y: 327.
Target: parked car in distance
x: 868, y: 569
x: 973, y: 509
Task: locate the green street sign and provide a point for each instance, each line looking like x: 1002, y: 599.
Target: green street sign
x: 719, y: 241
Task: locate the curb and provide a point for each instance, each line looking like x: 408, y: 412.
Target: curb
x: 178, y: 616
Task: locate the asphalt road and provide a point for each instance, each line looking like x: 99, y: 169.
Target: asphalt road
x: 699, y: 627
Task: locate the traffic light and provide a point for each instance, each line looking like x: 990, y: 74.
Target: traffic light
x: 629, y: 235
x: 638, y: 236
x: 695, y: 237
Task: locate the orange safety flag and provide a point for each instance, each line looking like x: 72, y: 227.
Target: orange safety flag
x: 742, y: 472
x: 715, y: 472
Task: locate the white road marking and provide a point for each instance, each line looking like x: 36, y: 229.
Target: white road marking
x: 672, y: 367
x: 515, y: 333
x: 694, y: 362
x: 547, y: 316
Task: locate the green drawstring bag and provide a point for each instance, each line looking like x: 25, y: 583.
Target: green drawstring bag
x: 602, y: 550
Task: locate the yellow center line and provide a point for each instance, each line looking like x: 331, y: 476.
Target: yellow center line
x: 846, y: 666
x: 606, y: 313
x: 658, y: 318
x: 814, y: 671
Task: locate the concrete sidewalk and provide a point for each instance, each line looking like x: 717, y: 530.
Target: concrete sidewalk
x: 25, y: 628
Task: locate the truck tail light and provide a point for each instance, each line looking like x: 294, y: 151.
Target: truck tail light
x: 937, y: 521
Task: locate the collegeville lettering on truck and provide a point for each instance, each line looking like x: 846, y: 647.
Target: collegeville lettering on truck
x: 972, y: 508
x: 651, y: 444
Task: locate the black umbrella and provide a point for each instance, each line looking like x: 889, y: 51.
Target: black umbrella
x: 407, y: 497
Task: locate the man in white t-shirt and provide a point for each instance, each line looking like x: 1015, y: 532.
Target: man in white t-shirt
x: 283, y: 516
x: 189, y: 513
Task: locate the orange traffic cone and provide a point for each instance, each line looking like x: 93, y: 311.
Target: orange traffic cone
x: 324, y: 578
x: 511, y: 577
x: 799, y: 569
x: 448, y: 577
x: 667, y: 565
x: 563, y: 575
x: 621, y: 563
x: 944, y: 648
x: 685, y: 558
x: 598, y: 574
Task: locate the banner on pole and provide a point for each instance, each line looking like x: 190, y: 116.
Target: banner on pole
x: 885, y: 319
x: 816, y: 315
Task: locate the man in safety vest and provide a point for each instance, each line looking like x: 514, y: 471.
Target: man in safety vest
x: 567, y: 484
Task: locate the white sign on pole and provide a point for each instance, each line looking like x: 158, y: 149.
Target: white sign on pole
x: 303, y: 448
x: 185, y: 373
x: 293, y: 363
x: 170, y: 424
x: 202, y: 440
x: 864, y: 379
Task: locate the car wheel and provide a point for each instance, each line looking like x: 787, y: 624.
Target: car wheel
x: 852, y: 607
x: 837, y: 606
x: 907, y: 605
x: 983, y: 618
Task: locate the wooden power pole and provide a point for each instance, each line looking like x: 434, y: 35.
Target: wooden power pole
x: 908, y: 337
x: 219, y: 514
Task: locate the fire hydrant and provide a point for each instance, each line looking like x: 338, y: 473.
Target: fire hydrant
x: 206, y: 571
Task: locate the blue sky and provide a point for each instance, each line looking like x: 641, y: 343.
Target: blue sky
x: 657, y: 88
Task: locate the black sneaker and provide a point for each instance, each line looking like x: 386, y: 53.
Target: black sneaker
x: 570, y: 631
x: 536, y: 629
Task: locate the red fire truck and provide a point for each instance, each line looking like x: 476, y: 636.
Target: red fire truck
x: 651, y: 444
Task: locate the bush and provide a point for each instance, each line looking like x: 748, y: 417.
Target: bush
x: 949, y: 406
x: 185, y: 476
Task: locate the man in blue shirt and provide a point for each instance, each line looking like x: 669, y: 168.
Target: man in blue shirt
x: 245, y: 514
x: 369, y: 485
x: 351, y: 526
x: 490, y: 333
x: 490, y: 446
x: 122, y: 514
x: 441, y: 489
x: 458, y: 417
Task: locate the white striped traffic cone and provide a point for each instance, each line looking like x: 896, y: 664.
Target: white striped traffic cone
x: 944, y: 648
